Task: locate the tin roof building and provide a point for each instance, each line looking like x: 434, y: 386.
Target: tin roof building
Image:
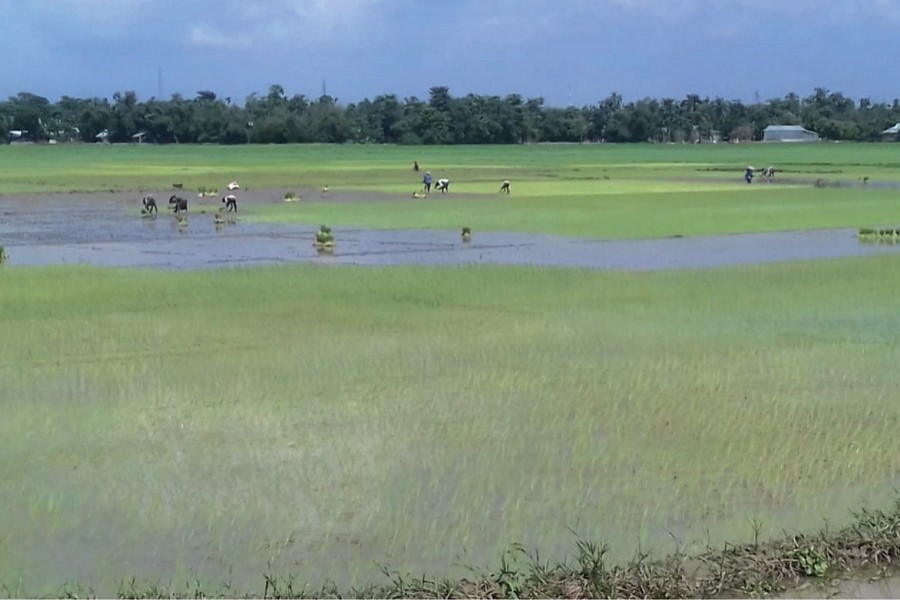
x: 789, y: 133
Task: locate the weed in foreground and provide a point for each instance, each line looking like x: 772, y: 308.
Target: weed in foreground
x: 756, y: 569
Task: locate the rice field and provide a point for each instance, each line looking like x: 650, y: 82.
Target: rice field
x: 65, y: 168
x: 226, y: 424
x: 614, y: 215
x: 583, y: 191
x: 219, y: 426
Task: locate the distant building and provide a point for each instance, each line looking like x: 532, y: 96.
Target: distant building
x: 892, y: 132
x: 138, y: 138
x: 789, y: 133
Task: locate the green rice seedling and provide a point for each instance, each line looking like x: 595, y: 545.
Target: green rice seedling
x: 652, y: 191
x: 290, y: 197
x: 344, y: 405
x: 324, y: 239
x: 201, y: 191
x: 3, y: 255
x: 466, y: 234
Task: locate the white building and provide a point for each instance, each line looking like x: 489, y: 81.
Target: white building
x: 789, y: 133
x: 892, y: 132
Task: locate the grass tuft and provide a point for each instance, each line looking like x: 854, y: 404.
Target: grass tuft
x: 754, y: 570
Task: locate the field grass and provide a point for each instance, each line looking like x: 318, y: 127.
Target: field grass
x: 26, y: 169
x: 610, y: 215
x: 222, y: 425
x: 225, y: 424
x: 593, y: 191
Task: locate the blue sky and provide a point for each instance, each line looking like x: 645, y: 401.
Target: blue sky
x: 576, y: 51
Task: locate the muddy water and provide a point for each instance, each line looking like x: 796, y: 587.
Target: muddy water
x: 888, y: 587
x: 108, y: 232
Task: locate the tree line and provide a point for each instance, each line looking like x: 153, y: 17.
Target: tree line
x: 275, y: 118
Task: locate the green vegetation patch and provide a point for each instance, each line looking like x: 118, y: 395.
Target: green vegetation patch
x: 612, y: 216
x: 310, y: 420
x: 64, y: 167
x: 591, y: 191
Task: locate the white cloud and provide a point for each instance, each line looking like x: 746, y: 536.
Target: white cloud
x: 100, y: 18
x: 733, y: 19
x: 204, y: 35
x: 263, y: 24
x: 306, y: 22
x: 504, y: 23
x: 667, y: 10
x: 327, y: 16
x: 880, y: 9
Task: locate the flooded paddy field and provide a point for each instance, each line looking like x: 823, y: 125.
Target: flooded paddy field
x: 324, y: 424
x: 107, y: 230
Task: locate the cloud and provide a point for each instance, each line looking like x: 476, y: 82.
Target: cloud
x: 505, y: 23
x: 97, y: 18
x: 661, y: 10
x: 206, y: 36
x: 308, y: 22
x: 328, y: 16
x: 263, y: 25
x: 762, y: 10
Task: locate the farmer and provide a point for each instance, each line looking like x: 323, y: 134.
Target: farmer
x: 505, y: 186
x: 427, y: 181
x: 416, y: 166
x: 230, y: 202
x: 748, y: 174
x: 149, y: 204
x: 178, y: 204
x: 443, y: 185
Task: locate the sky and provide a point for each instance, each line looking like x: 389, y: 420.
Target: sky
x: 566, y: 51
